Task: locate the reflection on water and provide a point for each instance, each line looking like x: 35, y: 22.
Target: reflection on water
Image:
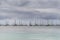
x: 29, y: 36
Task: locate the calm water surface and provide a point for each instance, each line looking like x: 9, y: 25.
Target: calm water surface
x: 29, y: 36
x: 44, y: 33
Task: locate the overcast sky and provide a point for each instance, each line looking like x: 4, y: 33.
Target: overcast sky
x: 29, y: 9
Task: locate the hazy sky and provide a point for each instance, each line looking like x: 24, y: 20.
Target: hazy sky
x: 29, y: 9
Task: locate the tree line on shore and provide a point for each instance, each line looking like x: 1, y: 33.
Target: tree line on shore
x: 30, y: 24
x: 42, y: 23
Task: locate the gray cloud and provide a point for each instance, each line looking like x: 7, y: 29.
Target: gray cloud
x: 7, y: 9
x: 34, y: 3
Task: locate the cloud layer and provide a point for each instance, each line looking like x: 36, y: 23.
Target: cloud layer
x: 29, y: 9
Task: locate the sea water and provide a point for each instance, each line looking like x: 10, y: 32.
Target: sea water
x: 29, y: 36
x: 54, y: 35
